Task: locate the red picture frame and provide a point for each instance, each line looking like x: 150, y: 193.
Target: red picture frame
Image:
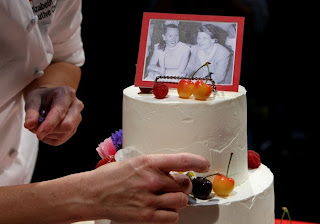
x: 147, y: 41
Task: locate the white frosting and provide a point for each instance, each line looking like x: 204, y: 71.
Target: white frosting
x: 213, y: 128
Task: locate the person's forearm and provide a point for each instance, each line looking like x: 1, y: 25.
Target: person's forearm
x: 55, y: 201
x: 57, y: 74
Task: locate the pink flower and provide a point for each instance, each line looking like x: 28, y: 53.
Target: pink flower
x: 106, y: 148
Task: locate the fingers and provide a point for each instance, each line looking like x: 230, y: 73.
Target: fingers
x: 152, y: 193
x: 32, y: 107
x: 165, y: 209
x: 180, y: 162
x: 63, y: 113
x: 55, y: 140
x: 67, y: 128
x: 182, y: 183
x: 172, y: 201
x: 156, y: 209
x: 160, y: 180
x: 61, y: 99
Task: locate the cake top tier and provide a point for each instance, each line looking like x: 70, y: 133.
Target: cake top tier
x: 213, y: 128
x: 173, y: 97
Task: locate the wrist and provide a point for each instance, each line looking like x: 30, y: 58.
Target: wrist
x: 78, y: 204
x: 66, y: 200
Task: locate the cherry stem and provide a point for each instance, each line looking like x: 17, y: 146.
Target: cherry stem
x: 209, y: 76
x: 285, y: 211
x: 212, y: 175
x: 229, y: 164
x: 206, y: 64
x: 220, y: 173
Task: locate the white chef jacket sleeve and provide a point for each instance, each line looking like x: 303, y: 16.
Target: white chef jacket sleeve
x: 65, y: 33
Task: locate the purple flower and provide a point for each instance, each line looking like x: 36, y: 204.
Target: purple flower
x: 117, y: 139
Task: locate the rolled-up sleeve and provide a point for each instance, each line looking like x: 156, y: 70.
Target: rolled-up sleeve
x: 65, y: 33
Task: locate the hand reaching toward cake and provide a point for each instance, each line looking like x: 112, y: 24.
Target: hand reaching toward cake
x: 142, y: 188
x: 138, y: 190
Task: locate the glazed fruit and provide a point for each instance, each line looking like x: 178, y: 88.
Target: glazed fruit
x: 185, y: 88
x: 160, y: 90
x: 202, y: 90
x: 222, y: 185
x: 253, y: 159
x: 201, y: 187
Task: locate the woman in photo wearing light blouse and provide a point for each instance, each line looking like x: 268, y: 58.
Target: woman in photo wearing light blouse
x: 209, y: 50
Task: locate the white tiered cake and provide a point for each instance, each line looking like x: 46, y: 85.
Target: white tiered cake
x: 213, y: 128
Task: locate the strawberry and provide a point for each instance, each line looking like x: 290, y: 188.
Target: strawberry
x: 160, y: 90
x: 253, y: 159
x: 105, y: 160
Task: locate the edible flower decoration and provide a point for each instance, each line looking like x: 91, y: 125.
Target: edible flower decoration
x: 108, y: 148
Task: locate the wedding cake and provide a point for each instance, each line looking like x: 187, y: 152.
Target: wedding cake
x: 213, y: 128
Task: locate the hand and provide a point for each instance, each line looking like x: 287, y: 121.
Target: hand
x: 63, y: 110
x: 141, y: 189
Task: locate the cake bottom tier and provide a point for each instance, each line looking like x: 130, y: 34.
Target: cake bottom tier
x: 251, y: 202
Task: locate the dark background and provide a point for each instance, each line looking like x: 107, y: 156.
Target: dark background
x: 278, y: 70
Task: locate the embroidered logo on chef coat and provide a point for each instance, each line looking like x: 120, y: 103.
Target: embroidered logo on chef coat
x: 44, y: 8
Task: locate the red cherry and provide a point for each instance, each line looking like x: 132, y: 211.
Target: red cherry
x: 160, y: 90
x: 185, y: 88
x: 202, y: 90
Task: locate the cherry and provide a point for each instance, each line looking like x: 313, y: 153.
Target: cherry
x: 202, y: 90
x: 185, y: 88
x: 223, y: 185
x: 201, y: 187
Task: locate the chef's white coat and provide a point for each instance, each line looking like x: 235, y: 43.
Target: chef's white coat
x: 32, y: 35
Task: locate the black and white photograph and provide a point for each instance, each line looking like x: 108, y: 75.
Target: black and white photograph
x: 177, y: 48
